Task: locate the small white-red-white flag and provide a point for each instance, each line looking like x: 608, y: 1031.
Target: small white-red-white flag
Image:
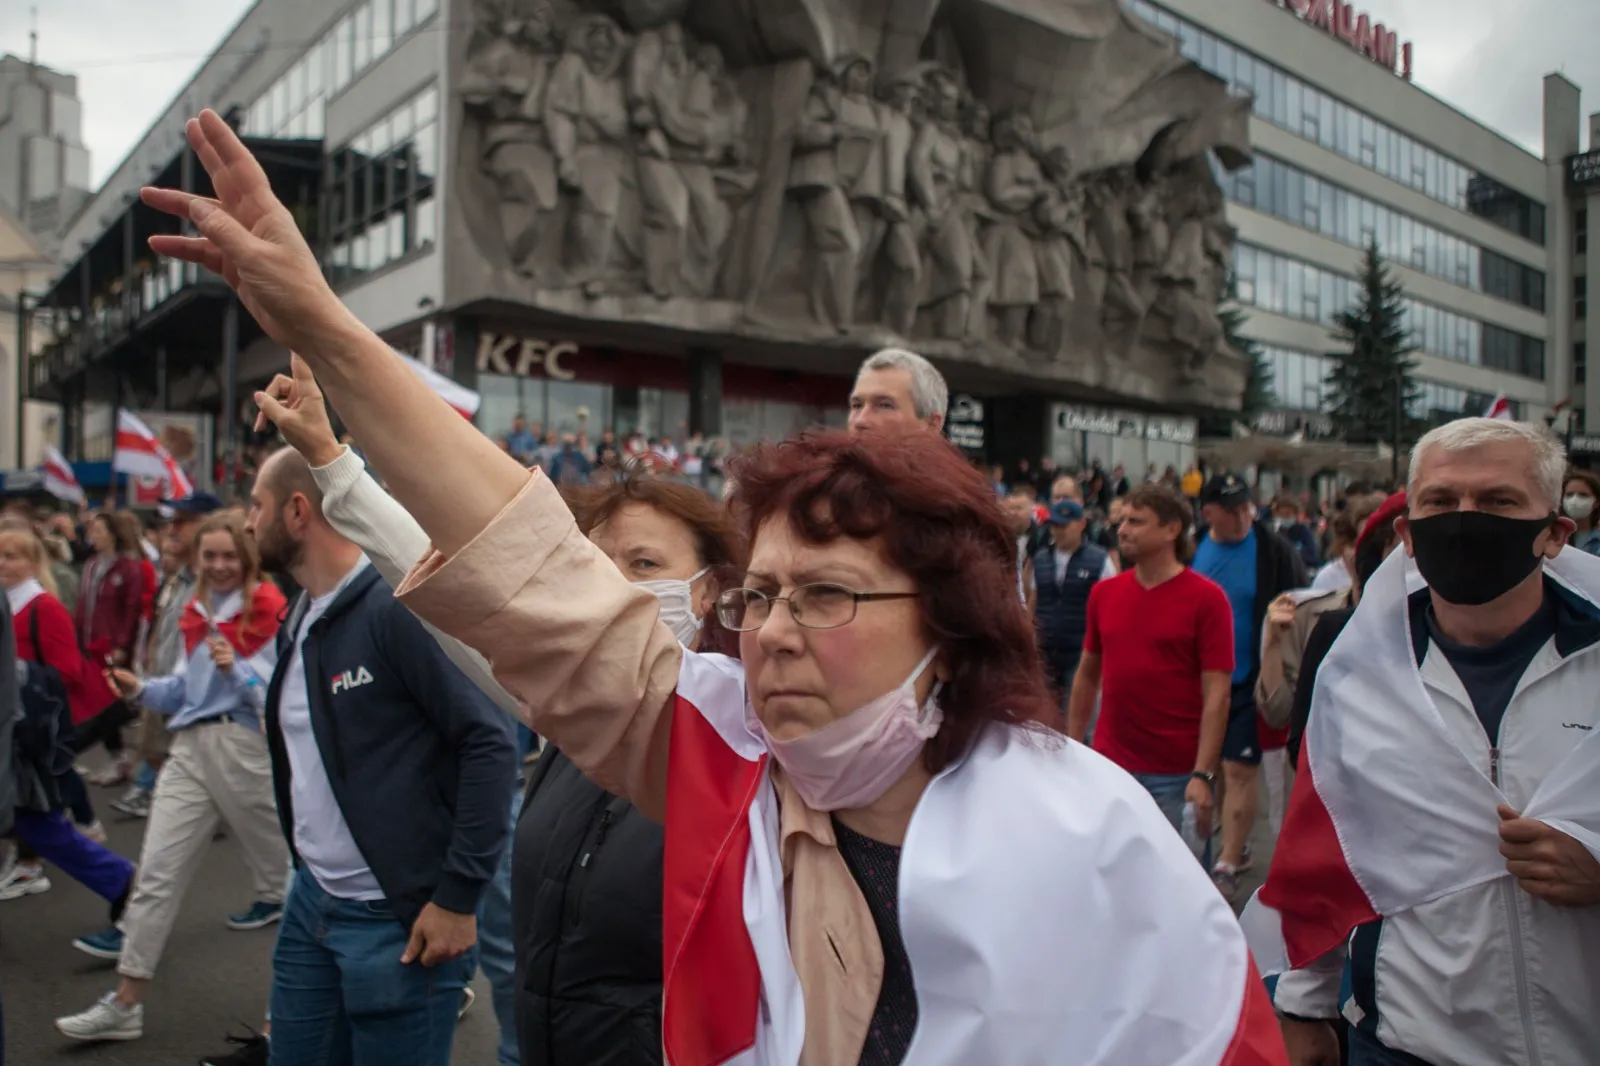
x: 458, y: 396
x: 1500, y: 408
x: 59, y: 480
x: 139, y: 453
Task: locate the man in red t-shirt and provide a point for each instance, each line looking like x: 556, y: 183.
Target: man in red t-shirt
x: 1158, y: 651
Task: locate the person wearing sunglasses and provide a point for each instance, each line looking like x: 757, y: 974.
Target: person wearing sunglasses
x: 875, y: 850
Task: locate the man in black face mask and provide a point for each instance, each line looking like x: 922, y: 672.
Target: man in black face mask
x: 1450, y: 766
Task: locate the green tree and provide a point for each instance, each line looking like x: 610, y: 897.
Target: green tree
x: 1362, y: 387
x: 1258, y: 397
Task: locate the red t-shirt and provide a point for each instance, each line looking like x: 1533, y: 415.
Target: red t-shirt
x: 1153, y: 645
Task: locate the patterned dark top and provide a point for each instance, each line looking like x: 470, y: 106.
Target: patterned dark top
x: 876, y: 868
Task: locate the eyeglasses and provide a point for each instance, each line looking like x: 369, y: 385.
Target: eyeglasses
x: 821, y: 605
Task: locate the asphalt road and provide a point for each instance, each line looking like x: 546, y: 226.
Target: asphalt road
x: 212, y: 980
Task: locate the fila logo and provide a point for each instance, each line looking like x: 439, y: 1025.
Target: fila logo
x: 349, y: 680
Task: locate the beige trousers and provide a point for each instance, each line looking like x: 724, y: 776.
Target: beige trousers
x: 216, y: 770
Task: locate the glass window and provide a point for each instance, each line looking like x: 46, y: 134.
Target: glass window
x: 427, y: 105
x: 381, y: 32
x: 314, y: 118
x: 316, y: 70
x: 427, y: 143
x: 363, y: 37
x: 280, y: 104
x: 341, y: 54
x: 404, y: 16
x: 427, y: 222
x: 425, y: 9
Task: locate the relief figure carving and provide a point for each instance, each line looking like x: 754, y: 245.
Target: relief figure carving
x: 1015, y: 187
x: 586, y: 113
x: 506, y: 82
x: 939, y: 185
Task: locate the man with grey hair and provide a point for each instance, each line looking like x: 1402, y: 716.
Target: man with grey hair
x: 1443, y: 840
x: 897, y: 387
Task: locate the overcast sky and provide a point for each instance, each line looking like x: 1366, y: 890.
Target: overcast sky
x: 1486, y: 57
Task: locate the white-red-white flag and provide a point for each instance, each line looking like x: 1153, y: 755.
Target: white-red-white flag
x: 140, y: 453
x: 59, y: 480
x: 1500, y: 408
x: 458, y: 396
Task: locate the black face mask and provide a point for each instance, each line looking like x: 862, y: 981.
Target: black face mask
x: 1472, y: 557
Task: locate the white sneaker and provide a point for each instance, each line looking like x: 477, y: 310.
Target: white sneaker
x: 25, y: 879
x: 94, y: 831
x: 115, y: 774
x: 106, y: 1020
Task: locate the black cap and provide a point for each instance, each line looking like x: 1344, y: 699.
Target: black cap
x: 196, y: 503
x: 1230, y: 490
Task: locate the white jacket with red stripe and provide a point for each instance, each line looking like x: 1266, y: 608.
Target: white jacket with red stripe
x: 1487, y: 975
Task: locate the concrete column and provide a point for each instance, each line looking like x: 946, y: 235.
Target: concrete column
x: 230, y: 397
x: 1562, y: 131
x: 705, y: 392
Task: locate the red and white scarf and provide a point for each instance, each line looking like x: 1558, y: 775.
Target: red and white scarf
x: 1387, y: 812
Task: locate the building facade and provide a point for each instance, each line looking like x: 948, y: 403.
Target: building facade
x: 702, y: 217
x: 1475, y: 227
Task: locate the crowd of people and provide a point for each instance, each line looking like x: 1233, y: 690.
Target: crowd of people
x: 791, y: 837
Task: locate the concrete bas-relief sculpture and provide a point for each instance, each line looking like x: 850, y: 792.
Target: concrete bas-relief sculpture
x: 1021, y: 185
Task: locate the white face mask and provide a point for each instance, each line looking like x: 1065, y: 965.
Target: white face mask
x: 677, y: 605
x: 1578, y: 507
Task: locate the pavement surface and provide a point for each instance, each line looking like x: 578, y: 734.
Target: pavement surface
x: 212, y: 980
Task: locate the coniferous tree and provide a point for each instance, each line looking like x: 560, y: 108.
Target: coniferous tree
x: 1258, y: 396
x: 1376, y: 369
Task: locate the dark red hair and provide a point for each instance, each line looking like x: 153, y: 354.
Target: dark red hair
x: 939, y: 522
x: 718, y: 542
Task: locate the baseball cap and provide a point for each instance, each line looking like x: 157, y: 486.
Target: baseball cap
x: 1229, y: 490
x: 196, y: 503
x: 1065, y: 511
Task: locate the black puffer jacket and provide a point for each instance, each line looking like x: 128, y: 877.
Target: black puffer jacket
x: 586, y: 914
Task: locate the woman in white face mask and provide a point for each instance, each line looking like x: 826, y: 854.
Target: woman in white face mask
x: 1580, y: 501
x: 586, y: 864
x: 875, y: 848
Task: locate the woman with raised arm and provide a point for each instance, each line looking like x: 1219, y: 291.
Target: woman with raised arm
x: 874, y: 850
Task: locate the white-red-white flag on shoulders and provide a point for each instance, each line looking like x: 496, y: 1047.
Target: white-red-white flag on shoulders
x: 59, y: 480
x: 1387, y: 812
x: 465, y: 401
x: 1499, y: 407
x: 140, y: 453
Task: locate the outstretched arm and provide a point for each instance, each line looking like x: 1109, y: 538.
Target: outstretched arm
x: 441, y: 469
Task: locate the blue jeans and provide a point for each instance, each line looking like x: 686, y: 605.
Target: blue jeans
x: 1167, y: 790
x: 496, y: 952
x: 340, y: 996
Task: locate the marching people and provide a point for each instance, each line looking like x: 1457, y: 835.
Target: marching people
x: 165, y: 649
x: 1157, y: 651
x: 1254, y: 566
x: 110, y: 607
x: 899, y: 675
x: 392, y: 773
x: 589, y: 972
x: 218, y: 771
x: 1064, y: 576
x: 42, y: 774
x: 1443, y: 839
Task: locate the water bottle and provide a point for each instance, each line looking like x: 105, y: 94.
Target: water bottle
x: 1191, y: 832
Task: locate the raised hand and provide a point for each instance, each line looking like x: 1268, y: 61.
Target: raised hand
x: 294, y: 404
x: 250, y: 239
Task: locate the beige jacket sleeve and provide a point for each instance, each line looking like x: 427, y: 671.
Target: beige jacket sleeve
x: 1278, y: 705
x: 566, y: 635
x: 362, y: 513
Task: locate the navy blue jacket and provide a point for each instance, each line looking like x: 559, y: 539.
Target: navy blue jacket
x: 1061, y: 611
x: 422, y: 763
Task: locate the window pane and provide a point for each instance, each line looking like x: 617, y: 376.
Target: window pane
x: 381, y: 38
x: 341, y: 54
x: 427, y: 104
x: 363, y: 37
x: 396, y: 228
x: 426, y: 8
x: 427, y: 222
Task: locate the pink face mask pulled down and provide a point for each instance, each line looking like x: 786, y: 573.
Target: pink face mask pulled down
x: 853, y: 760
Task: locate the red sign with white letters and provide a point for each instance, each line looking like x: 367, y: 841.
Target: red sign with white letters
x: 1357, y: 29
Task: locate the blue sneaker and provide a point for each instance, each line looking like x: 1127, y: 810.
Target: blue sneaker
x: 106, y: 945
x: 259, y: 916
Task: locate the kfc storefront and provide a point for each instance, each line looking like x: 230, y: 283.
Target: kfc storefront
x: 564, y: 387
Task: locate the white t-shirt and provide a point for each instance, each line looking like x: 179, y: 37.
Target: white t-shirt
x: 321, y: 835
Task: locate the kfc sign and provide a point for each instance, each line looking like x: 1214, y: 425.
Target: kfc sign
x: 502, y: 353
x: 1372, y: 39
